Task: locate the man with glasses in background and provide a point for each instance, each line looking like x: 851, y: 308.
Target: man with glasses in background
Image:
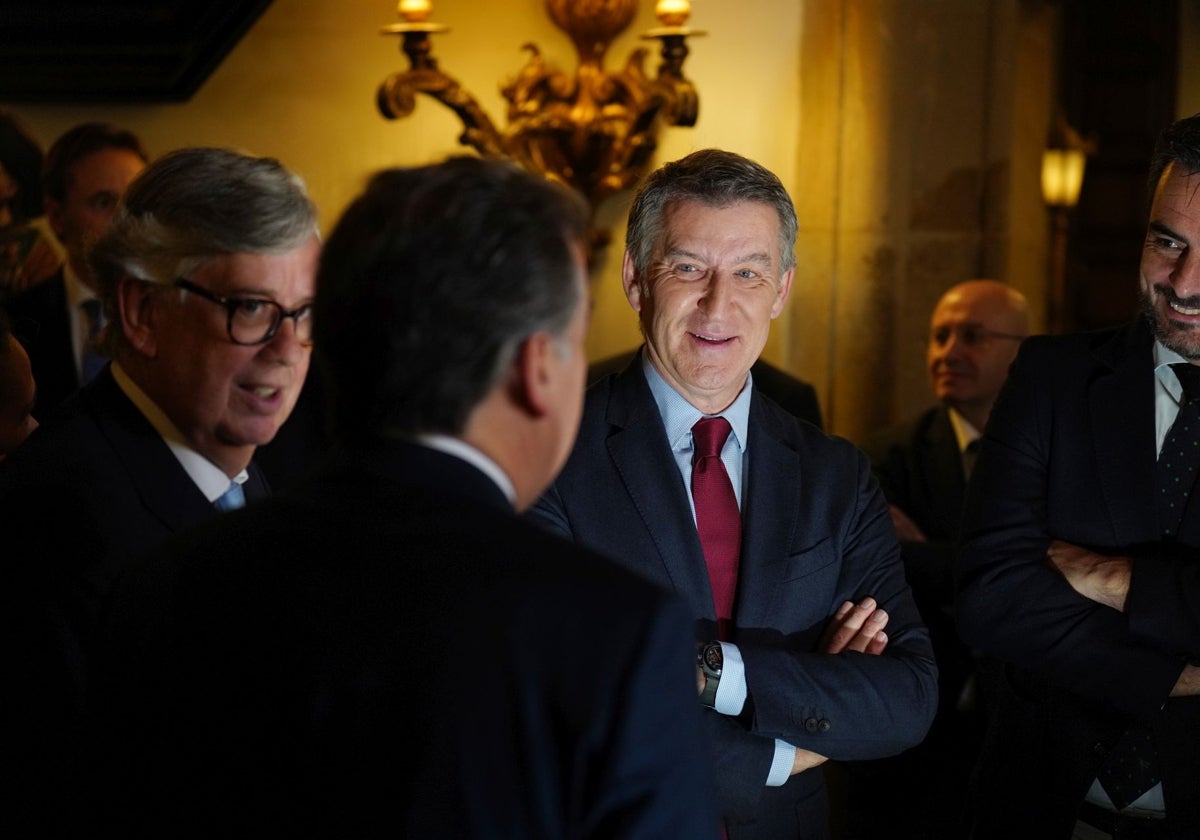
x: 206, y: 275
x: 923, y: 466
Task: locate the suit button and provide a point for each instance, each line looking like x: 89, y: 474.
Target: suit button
x: 823, y: 725
x: 810, y: 724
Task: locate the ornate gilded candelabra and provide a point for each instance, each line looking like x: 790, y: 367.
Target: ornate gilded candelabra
x: 593, y: 130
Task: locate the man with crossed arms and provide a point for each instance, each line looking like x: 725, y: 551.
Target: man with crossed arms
x: 778, y: 540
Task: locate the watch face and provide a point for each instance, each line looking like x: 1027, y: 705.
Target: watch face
x: 713, y: 658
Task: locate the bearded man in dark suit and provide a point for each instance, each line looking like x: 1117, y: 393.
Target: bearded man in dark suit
x: 386, y: 649
x: 1080, y: 564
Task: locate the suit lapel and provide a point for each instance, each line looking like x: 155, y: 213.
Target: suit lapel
x: 770, y: 512
x: 165, y: 489
x: 638, y: 447
x: 1121, y: 413
x: 947, y: 486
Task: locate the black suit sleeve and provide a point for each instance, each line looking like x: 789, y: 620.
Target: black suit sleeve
x: 1163, y: 605
x: 1012, y: 604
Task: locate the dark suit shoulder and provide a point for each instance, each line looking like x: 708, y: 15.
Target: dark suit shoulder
x: 791, y: 393
x: 794, y: 431
x: 903, y: 434
x: 97, y: 459
x: 1109, y: 346
x: 404, y: 618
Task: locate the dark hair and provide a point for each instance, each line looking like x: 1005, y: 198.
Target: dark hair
x: 21, y: 158
x: 430, y: 282
x: 78, y: 143
x: 713, y: 177
x: 194, y: 204
x: 1178, y: 143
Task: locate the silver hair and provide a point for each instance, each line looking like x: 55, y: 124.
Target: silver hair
x: 713, y: 177
x: 195, y: 204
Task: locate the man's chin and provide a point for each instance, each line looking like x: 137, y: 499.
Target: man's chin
x: 1183, y: 339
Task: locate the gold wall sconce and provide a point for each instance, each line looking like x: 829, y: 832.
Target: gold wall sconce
x: 594, y: 130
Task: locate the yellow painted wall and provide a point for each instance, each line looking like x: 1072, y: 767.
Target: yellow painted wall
x: 301, y: 87
x: 870, y: 111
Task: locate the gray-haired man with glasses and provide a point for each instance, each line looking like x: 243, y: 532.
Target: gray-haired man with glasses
x: 207, y: 276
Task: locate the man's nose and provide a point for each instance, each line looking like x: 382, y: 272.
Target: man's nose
x: 1185, y: 278
x: 716, y: 294
x: 285, y: 346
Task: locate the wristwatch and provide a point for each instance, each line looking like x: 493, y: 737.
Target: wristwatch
x: 711, y: 660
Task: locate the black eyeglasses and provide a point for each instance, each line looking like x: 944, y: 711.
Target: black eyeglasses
x: 255, y: 320
x: 971, y: 335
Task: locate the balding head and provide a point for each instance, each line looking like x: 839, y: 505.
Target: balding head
x: 974, y: 333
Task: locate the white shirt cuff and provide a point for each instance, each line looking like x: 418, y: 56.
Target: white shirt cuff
x: 731, y: 691
x: 781, y: 764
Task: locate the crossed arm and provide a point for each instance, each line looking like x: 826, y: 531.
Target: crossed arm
x: 858, y: 627
x: 1106, y: 581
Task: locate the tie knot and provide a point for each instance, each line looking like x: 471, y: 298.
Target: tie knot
x: 232, y: 499
x: 708, y: 436
x: 1189, y: 377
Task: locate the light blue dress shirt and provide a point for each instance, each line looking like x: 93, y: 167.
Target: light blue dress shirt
x: 678, y: 416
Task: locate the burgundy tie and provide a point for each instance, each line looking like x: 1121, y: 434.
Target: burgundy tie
x: 718, y: 520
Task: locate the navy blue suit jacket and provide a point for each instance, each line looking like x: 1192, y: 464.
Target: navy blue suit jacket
x: 88, y: 493
x: 387, y: 650
x: 816, y: 532
x: 1070, y: 454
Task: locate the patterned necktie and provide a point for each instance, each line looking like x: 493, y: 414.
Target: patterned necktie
x: 718, y: 520
x: 231, y: 499
x: 93, y: 360
x: 1131, y: 768
x: 1179, y: 460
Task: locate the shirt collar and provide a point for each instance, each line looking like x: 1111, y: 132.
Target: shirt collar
x: 679, y: 415
x: 1164, y: 357
x: 464, y: 451
x: 211, y: 479
x: 964, y: 433
x: 77, y: 292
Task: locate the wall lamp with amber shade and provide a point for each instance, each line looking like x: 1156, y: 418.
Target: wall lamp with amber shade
x: 1063, y: 164
x: 593, y: 130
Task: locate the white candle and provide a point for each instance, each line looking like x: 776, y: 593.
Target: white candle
x: 673, y: 12
x: 415, y: 11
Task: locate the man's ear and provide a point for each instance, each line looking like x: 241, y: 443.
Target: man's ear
x: 629, y: 282
x: 785, y: 288
x: 533, y: 374
x: 137, y: 309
